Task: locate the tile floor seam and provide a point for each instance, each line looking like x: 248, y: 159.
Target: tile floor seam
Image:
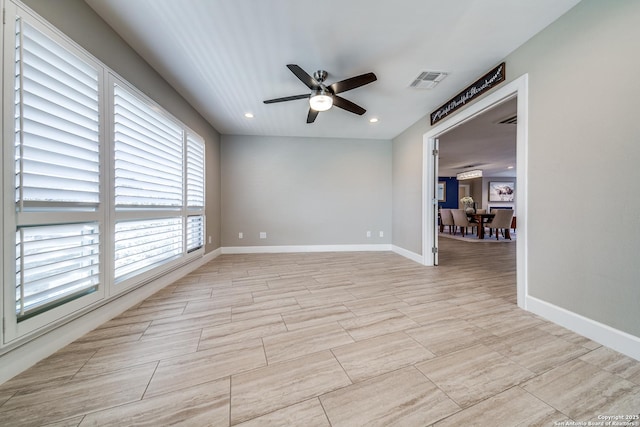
x: 461, y: 408
x: 280, y: 409
x: 420, y: 344
x: 82, y: 365
x: 325, y: 409
x: 542, y: 400
x: 150, y: 379
x: 264, y: 351
x: 342, y: 367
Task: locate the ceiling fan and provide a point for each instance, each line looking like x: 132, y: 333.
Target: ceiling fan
x: 323, y: 97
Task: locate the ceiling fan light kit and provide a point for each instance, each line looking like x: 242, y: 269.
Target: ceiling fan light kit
x: 323, y: 97
x: 321, y: 101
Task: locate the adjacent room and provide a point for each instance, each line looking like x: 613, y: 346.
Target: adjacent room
x: 292, y: 213
x: 477, y: 174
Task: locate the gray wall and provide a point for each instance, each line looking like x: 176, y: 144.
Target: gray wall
x: 407, y: 188
x: 305, y: 191
x: 584, y: 149
x: 80, y: 23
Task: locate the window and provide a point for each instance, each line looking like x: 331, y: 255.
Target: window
x: 142, y: 245
x: 55, y: 263
x: 195, y: 172
x: 56, y: 125
x: 195, y: 192
x: 103, y: 190
x: 57, y: 169
x: 195, y: 232
x: 159, y: 186
x: 148, y: 155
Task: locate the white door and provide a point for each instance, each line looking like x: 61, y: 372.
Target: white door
x: 436, y: 157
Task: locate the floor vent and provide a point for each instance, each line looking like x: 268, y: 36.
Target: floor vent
x: 428, y: 79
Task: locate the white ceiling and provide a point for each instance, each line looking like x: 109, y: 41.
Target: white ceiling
x: 227, y: 56
x: 481, y: 143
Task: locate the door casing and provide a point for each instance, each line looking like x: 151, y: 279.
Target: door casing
x: 516, y: 88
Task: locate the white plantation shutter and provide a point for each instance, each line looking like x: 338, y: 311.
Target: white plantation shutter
x: 96, y: 174
x: 195, y: 172
x: 56, y: 123
x: 195, y: 232
x: 143, y: 245
x: 56, y: 98
x: 148, y: 154
x: 55, y: 263
x: 195, y: 192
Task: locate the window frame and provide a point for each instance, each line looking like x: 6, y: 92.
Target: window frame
x: 13, y: 328
x: 117, y: 214
x: 15, y: 332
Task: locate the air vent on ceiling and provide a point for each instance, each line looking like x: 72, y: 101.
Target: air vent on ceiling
x: 428, y: 79
x: 509, y: 121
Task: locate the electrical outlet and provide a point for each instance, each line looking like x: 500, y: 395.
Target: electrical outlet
x: 368, y: 233
x: 263, y: 234
x: 382, y: 234
x: 209, y: 239
x: 240, y: 235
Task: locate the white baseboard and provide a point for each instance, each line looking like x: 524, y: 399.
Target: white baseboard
x: 620, y: 341
x: 304, y: 248
x: 29, y: 353
x: 210, y: 256
x: 408, y: 254
x: 322, y: 248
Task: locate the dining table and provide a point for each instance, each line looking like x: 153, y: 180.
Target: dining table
x: 481, y: 219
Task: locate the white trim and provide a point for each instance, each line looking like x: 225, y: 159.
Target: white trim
x: 6, y: 169
x: 518, y: 87
x: 620, y: 341
x: 304, y: 248
x: 211, y: 256
x: 408, y: 254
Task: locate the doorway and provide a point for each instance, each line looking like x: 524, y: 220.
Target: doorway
x: 463, y: 191
x: 517, y: 88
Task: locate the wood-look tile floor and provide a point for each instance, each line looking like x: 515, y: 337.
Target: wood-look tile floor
x: 330, y: 339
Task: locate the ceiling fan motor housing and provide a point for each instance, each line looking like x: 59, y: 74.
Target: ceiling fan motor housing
x: 320, y: 75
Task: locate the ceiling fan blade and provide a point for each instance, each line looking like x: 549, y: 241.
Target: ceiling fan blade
x: 304, y: 76
x: 353, y: 82
x: 345, y: 104
x: 286, y: 98
x: 311, y: 117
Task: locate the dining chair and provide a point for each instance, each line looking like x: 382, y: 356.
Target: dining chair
x: 461, y: 220
x: 446, y: 219
x: 502, y: 221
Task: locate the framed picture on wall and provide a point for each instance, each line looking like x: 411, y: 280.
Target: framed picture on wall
x: 442, y: 191
x: 501, y: 191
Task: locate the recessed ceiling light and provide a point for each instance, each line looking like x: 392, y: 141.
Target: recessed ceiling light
x: 373, y: 120
x: 509, y: 167
x: 248, y: 115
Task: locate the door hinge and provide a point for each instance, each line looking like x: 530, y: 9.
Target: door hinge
x: 434, y: 250
x: 435, y: 152
x: 4, y: 326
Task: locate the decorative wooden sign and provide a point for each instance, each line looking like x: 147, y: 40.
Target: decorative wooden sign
x: 484, y: 83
